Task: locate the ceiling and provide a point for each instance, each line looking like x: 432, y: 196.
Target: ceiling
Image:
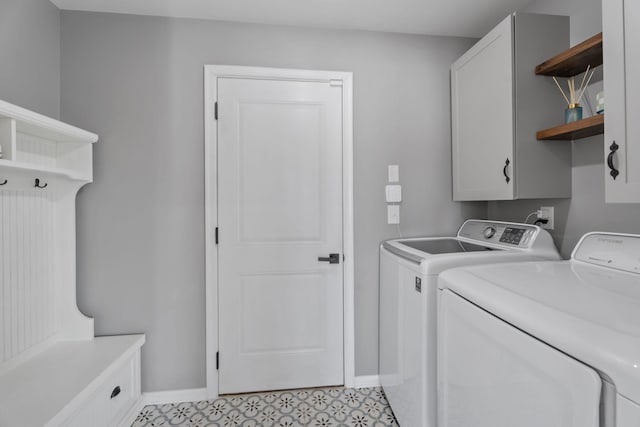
x: 464, y: 18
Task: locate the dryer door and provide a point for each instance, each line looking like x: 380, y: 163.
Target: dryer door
x: 494, y: 375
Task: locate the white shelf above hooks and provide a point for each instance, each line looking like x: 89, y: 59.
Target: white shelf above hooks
x: 35, y: 144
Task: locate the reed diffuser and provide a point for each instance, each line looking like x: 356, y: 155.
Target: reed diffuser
x: 574, y: 97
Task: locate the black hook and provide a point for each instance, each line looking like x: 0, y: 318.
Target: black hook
x: 4, y: 182
x: 38, y: 184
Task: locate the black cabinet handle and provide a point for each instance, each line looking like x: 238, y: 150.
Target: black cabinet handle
x: 115, y: 392
x: 614, y: 172
x: 331, y: 259
x: 504, y: 170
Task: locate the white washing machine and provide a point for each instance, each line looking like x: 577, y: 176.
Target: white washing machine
x: 543, y: 343
x: 408, y: 294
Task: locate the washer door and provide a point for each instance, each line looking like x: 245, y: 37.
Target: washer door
x: 494, y: 375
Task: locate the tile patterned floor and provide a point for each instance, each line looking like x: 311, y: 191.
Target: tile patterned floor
x: 321, y: 407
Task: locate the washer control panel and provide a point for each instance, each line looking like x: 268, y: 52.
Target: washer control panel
x: 512, y: 235
x: 505, y: 234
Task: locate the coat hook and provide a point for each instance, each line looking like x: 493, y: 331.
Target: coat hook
x: 4, y: 182
x: 38, y: 184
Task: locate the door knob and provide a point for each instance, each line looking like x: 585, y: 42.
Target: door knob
x: 331, y: 259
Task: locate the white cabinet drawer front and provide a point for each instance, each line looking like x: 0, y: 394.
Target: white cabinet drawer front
x: 92, y: 413
x: 123, y: 385
x: 115, y: 396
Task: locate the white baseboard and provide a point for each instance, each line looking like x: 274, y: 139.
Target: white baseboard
x: 367, y: 381
x: 174, y: 396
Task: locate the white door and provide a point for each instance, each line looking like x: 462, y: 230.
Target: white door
x: 482, y: 118
x: 491, y: 374
x: 279, y: 211
x: 621, y: 22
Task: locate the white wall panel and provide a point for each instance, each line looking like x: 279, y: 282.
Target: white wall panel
x: 26, y: 270
x: 35, y: 150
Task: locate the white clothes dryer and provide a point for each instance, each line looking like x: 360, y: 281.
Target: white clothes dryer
x: 543, y: 343
x: 408, y: 294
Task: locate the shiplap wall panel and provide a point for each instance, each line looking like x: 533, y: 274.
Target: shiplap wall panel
x: 27, y: 270
x: 36, y: 150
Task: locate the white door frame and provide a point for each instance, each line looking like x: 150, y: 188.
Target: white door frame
x: 345, y: 79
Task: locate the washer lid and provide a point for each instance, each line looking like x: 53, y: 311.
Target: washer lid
x: 443, y: 246
x: 419, y: 249
x: 589, y: 312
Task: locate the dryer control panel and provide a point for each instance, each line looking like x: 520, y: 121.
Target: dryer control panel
x: 500, y: 233
x: 617, y: 251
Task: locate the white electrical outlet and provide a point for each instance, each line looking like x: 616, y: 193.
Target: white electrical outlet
x: 393, y: 193
x: 547, y: 212
x: 393, y: 214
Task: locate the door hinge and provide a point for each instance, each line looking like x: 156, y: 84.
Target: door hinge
x: 215, y: 111
x: 217, y: 234
x: 217, y: 360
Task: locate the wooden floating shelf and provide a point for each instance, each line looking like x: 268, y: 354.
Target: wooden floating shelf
x: 581, y: 129
x: 575, y: 60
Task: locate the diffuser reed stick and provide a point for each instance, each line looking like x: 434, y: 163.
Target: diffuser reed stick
x: 584, y: 87
x: 574, y: 96
x: 561, y: 91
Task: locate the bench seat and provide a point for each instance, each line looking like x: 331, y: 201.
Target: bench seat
x: 73, y: 380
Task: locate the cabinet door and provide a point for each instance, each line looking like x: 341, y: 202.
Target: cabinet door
x: 621, y: 23
x: 483, y: 119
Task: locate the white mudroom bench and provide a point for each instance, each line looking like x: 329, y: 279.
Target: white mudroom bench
x: 53, y: 371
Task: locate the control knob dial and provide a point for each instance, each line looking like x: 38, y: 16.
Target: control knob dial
x: 489, y: 232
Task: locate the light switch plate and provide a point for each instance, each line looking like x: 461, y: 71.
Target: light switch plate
x: 393, y: 214
x: 393, y: 193
x: 394, y: 173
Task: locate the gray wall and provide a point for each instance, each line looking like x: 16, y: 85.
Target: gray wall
x: 30, y: 55
x: 138, y: 82
x: 586, y: 210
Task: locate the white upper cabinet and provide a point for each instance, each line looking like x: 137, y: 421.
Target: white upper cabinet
x: 621, y: 43
x: 498, y: 104
x: 482, y: 95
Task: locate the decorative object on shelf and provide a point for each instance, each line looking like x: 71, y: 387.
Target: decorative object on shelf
x: 600, y: 101
x: 570, y: 63
x: 573, y: 112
